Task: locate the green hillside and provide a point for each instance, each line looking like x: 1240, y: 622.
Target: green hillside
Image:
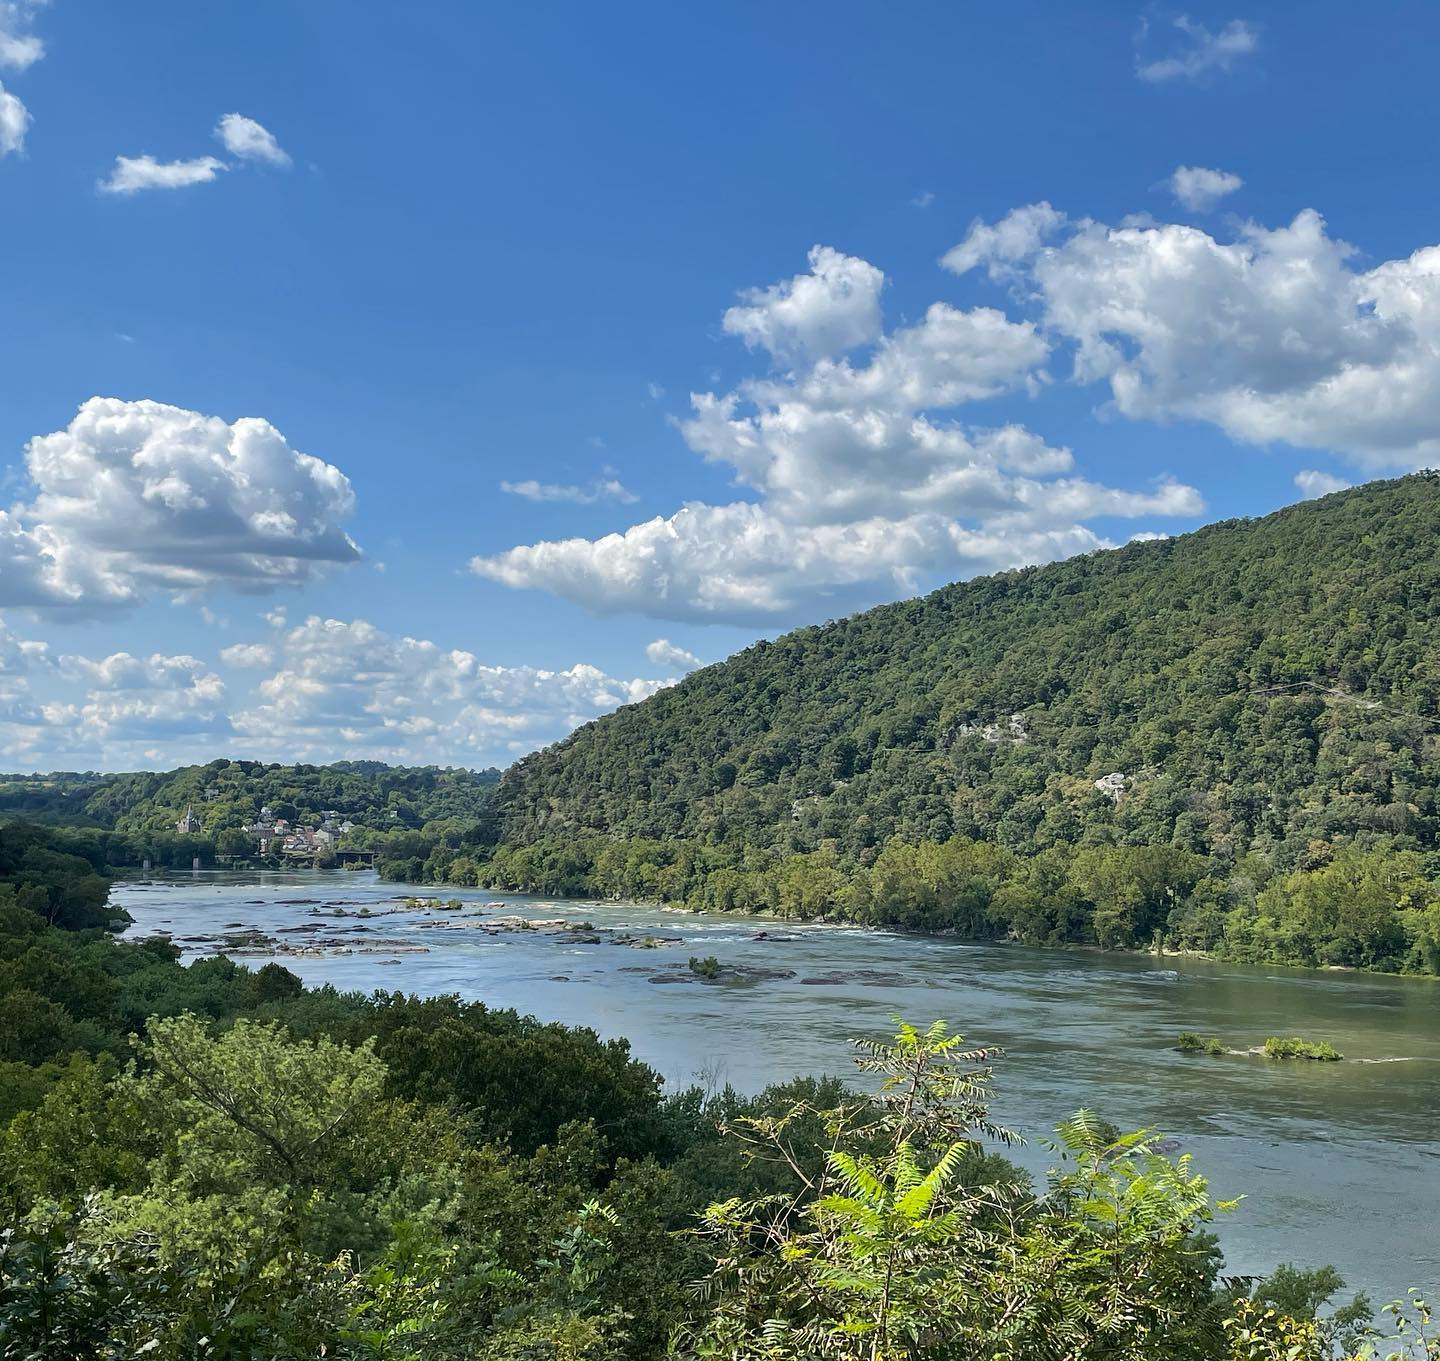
x: 1226, y: 741
x: 225, y: 794
x: 1258, y: 683
x: 129, y: 818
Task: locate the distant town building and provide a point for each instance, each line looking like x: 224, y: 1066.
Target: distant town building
x: 277, y: 834
x: 189, y: 824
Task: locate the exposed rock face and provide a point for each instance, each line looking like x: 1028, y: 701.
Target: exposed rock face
x: 1111, y: 785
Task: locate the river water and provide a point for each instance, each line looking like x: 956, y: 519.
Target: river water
x: 1338, y: 1162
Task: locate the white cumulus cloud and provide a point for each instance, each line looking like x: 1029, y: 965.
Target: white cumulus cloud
x: 1312, y: 483
x: 348, y: 687
x: 998, y: 245
x: 248, y: 140
x: 328, y: 690
x: 866, y: 490
x: 242, y: 655
x: 14, y: 123
x: 116, y: 706
x: 833, y: 308
x: 665, y: 653
x: 134, y: 174
x: 741, y: 563
x: 1198, y: 51
x: 1199, y: 189
x: 19, y: 48
x: 139, y: 494
x: 1274, y: 335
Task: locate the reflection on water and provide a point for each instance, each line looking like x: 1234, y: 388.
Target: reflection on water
x: 1338, y: 1162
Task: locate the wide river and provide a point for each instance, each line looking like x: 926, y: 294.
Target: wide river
x: 1338, y: 1162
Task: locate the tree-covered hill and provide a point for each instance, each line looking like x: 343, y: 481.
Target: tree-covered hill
x: 1260, y: 685
x: 224, y: 795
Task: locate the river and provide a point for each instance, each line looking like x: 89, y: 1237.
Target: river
x: 1338, y: 1162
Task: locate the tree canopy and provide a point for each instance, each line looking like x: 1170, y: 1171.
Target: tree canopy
x: 1257, y: 685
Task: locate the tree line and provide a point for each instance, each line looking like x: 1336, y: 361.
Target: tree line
x: 1345, y: 907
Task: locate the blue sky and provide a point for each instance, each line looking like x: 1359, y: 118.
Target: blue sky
x: 807, y: 308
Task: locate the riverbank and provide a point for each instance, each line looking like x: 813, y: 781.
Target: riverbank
x: 1330, y: 1156
x: 1163, y: 951
x: 1372, y: 909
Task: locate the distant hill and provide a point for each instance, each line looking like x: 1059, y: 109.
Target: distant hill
x: 1257, y: 685
x: 227, y: 794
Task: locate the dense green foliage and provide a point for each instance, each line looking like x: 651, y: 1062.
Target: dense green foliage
x: 1261, y: 684
x: 1267, y: 692
x: 1295, y: 1047
x: 132, y: 818
x: 226, y: 793
x: 1276, y: 1047
x: 205, y: 1162
x: 1350, y: 908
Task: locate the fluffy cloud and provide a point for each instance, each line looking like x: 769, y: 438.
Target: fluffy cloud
x: 998, y: 245
x: 137, y: 494
x: 742, y: 563
x: 242, y: 655
x: 1199, y: 189
x: 1199, y: 51
x: 833, y: 308
x: 135, y: 700
x: 1274, y: 336
x: 19, y: 48
x: 828, y: 466
x: 949, y: 358
x: 1312, y: 483
x: 133, y: 174
x: 347, y: 687
x: 119, y: 705
x: 605, y: 489
x: 23, y: 722
x: 14, y: 123
x: 247, y: 140
x: 665, y: 653
x: 122, y: 671
x: 865, y: 491
x: 332, y: 690
x: 244, y: 138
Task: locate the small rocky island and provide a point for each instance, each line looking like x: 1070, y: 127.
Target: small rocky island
x: 1276, y: 1047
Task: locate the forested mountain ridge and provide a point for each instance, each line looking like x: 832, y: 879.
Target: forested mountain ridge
x: 1259, y: 685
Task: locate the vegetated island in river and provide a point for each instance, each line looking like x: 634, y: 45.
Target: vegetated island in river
x: 1276, y: 1047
